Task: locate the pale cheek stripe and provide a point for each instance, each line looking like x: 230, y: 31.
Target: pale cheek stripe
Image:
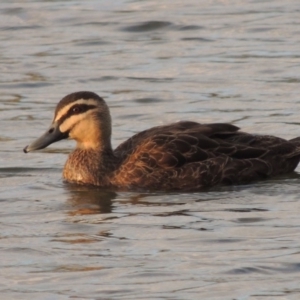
x: 71, y: 122
x: 66, y: 108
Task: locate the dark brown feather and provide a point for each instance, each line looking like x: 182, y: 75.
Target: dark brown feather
x: 190, y: 156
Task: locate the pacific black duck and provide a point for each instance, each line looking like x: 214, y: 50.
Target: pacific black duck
x: 180, y: 156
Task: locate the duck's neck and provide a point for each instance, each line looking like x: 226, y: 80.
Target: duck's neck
x: 90, y: 166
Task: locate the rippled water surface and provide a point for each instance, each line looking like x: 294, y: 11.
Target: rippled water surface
x: 154, y: 62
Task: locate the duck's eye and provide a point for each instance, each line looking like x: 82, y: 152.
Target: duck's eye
x: 76, y: 109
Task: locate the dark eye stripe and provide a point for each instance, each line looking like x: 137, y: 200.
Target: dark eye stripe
x: 76, y: 110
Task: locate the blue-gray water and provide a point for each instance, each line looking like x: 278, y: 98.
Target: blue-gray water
x: 154, y: 62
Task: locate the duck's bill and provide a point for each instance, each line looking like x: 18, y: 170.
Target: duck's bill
x: 49, y: 137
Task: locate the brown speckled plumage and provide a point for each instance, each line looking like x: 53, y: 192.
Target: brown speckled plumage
x: 180, y: 156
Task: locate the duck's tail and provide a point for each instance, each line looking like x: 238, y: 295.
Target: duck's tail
x: 296, y: 141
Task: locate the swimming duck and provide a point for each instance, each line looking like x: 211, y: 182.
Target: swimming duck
x: 181, y: 156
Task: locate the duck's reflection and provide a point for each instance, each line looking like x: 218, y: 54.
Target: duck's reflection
x: 86, y: 200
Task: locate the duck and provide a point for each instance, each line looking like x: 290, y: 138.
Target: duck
x: 184, y: 156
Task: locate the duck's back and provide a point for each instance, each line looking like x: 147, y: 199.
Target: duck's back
x: 190, y: 156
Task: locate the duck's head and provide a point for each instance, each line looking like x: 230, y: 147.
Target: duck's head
x: 82, y: 116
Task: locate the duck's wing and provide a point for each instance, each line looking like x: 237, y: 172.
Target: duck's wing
x: 187, y: 142
x: 191, y: 132
x: 192, y: 155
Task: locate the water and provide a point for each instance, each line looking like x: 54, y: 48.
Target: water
x: 154, y: 62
